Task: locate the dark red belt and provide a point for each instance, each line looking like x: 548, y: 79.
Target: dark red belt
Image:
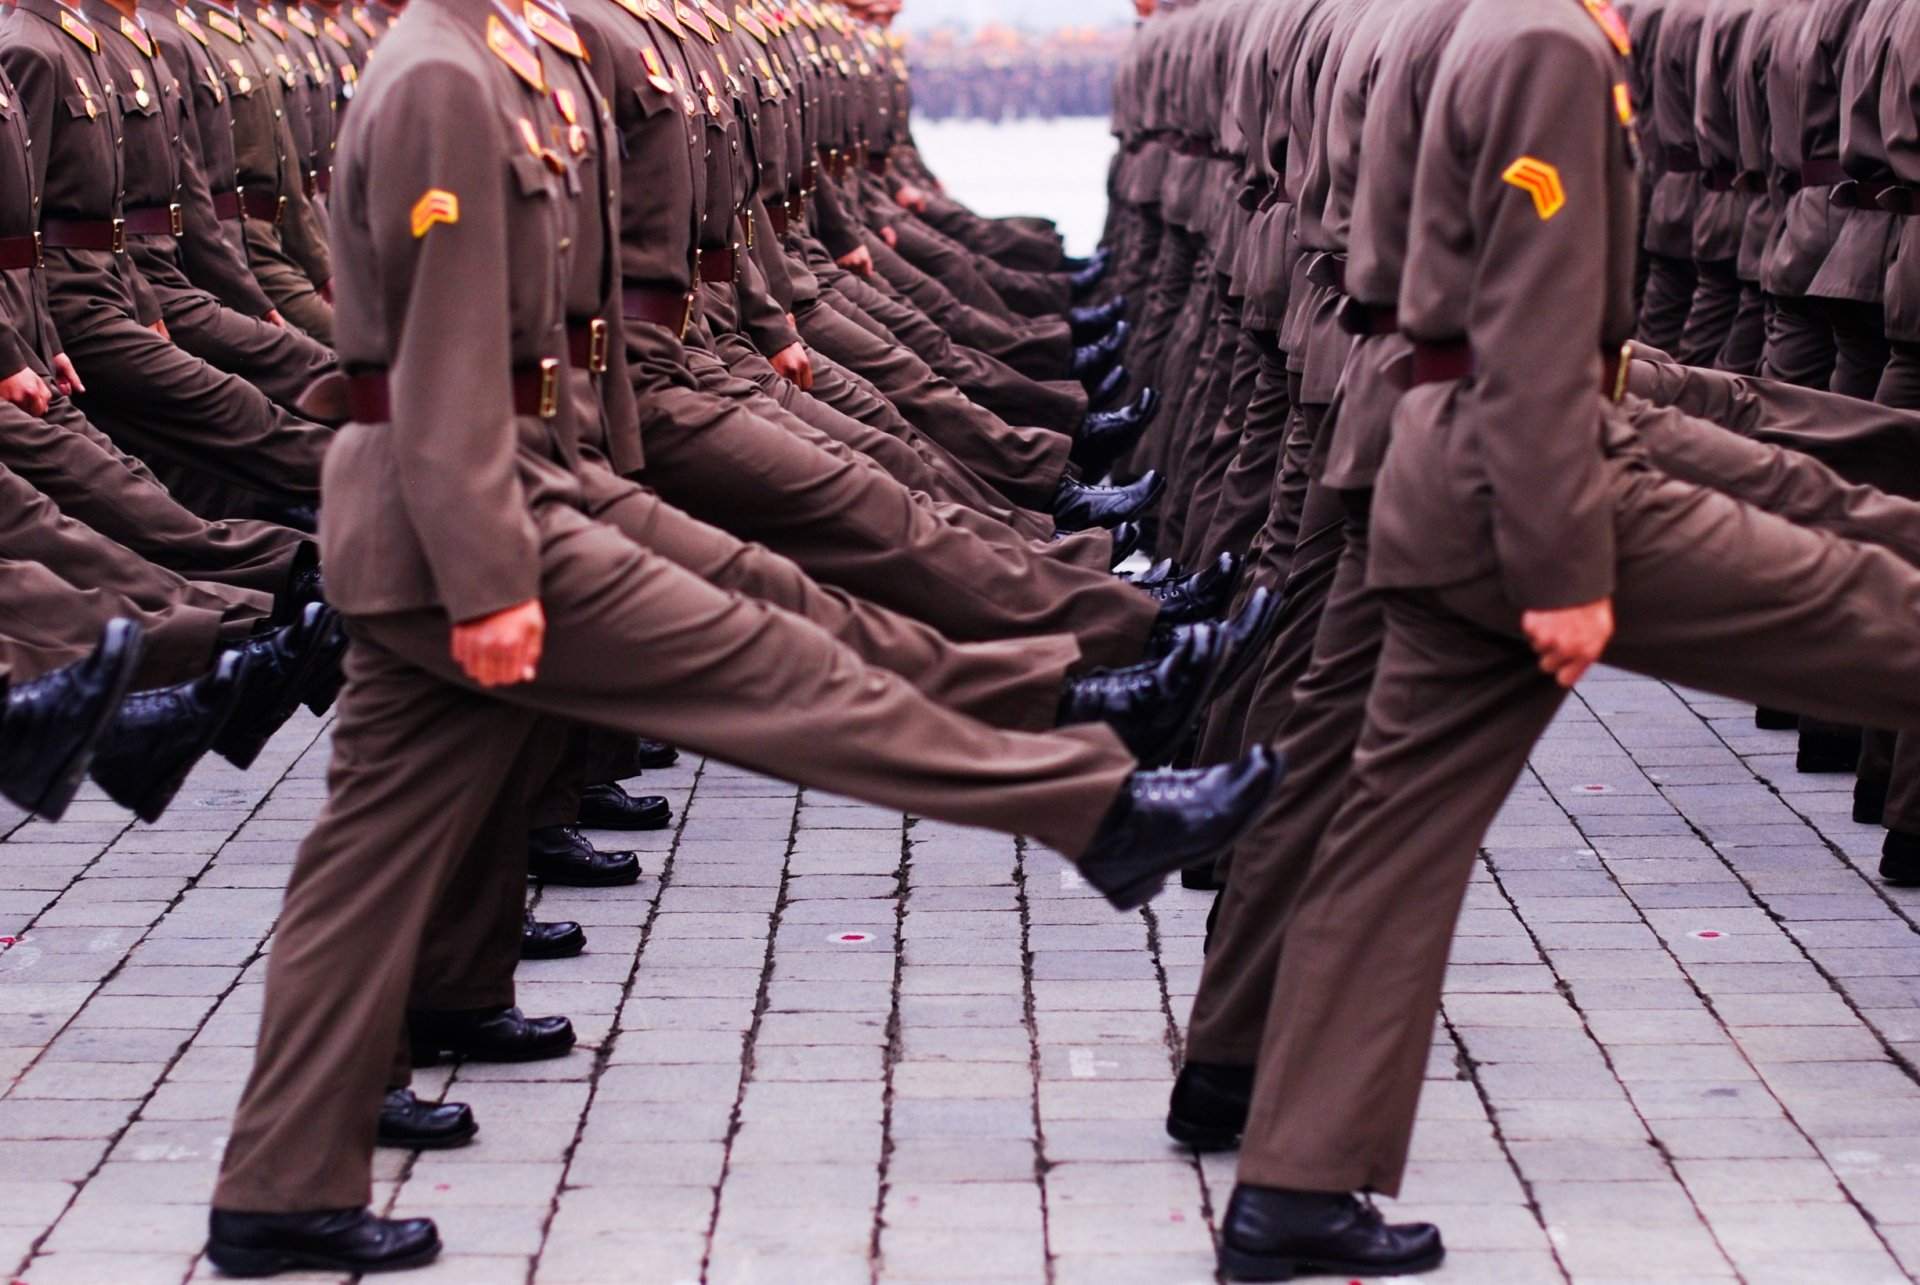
x: 777, y: 219
x: 1723, y: 180
x: 1900, y: 198
x: 877, y: 165
x: 20, y: 252
x: 657, y: 307
x: 1361, y: 319
x: 227, y: 207
x: 718, y: 267
x: 587, y: 345
x: 318, y: 183
x: 263, y: 206
x: 155, y: 220
x: 1678, y: 160
x: 536, y: 394
x: 1443, y: 363
x: 109, y: 235
x: 1822, y: 174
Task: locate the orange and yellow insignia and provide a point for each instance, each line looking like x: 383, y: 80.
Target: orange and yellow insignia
x: 227, y: 27
x: 1623, y: 103
x: 554, y: 31
x: 137, y: 34
x: 271, y: 23
x: 1539, y: 180
x: 751, y: 24
x: 659, y: 11
x: 80, y: 31
x: 337, y: 34
x: 715, y: 15
x: 189, y: 25
x: 507, y: 47
x: 692, y: 21
x: 297, y: 19
x: 364, y: 21
x: 1612, y: 23
x: 657, y: 73
x: 437, y: 206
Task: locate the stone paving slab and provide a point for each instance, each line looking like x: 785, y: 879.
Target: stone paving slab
x: 824, y: 1042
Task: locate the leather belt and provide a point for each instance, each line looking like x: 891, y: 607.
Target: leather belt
x: 777, y: 218
x: 227, y: 206
x: 1678, y: 160
x: 1723, y: 180
x: 877, y: 164
x: 94, y: 234
x: 1900, y: 198
x: 1366, y: 321
x: 536, y: 394
x: 658, y: 307
x: 718, y: 267
x: 1442, y: 363
x: 587, y: 345
x: 318, y: 183
x: 20, y: 252
x: 262, y: 206
x: 155, y: 220
x: 1822, y: 174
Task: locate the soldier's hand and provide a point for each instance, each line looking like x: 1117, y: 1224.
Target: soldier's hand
x: 793, y: 365
x: 1569, y: 640
x: 911, y: 198
x: 857, y: 261
x: 891, y: 237
x: 273, y: 318
x: 26, y: 390
x: 65, y: 377
x: 504, y: 648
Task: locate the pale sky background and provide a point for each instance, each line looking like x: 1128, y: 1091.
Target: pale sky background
x: 1036, y: 15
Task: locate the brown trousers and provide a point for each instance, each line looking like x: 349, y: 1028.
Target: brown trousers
x: 634, y: 644
x: 1710, y: 592
x: 286, y: 284
x: 47, y: 622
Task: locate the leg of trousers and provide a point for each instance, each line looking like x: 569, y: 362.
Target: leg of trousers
x: 1710, y: 593
x: 1668, y: 300
x: 1799, y: 347
x: 1903, y: 793
x: 288, y: 287
x: 1037, y: 348
x: 1900, y: 382
x: 279, y: 362
x: 1716, y: 303
x: 846, y: 524
x: 47, y: 622
x: 1747, y: 337
x: 1247, y: 490
x: 1860, y: 346
x: 75, y: 466
x: 638, y: 646
x: 1005, y: 242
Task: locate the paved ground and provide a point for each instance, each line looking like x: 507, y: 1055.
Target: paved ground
x: 830, y: 1044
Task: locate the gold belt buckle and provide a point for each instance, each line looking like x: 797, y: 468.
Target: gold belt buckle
x: 1619, y: 389
x: 549, y: 388
x: 597, y: 346
x: 746, y: 216
x: 119, y: 236
x: 279, y: 210
x: 686, y: 318
x: 176, y: 223
x: 39, y: 251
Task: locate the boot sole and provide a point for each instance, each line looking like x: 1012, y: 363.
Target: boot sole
x: 1239, y: 1265
x: 627, y: 827
x: 429, y: 1055
x: 1201, y: 1137
x: 1134, y: 895
x: 235, y: 1260
x: 445, y: 1142
x: 64, y: 783
x: 568, y: 881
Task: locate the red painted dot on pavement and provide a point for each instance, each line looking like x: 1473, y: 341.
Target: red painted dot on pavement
x: 851, y: 939
x: 1597, y: 789
x: 1707, y: 934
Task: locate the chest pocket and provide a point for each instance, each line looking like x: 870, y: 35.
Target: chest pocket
x: 81, y: 107
x: 532, y: 177
x: 130, y: 104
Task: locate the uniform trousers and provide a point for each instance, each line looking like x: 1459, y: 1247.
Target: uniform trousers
x: 1747, y: 337
x: 1210, y: 487
x: 1711, y: 592
x: 1246, y: 490
x: 90, y: 480
x: 47, y: 622
x: 636, y: 645
x: 1040, y: 349
x: 1716, y: 303
x: 286, y: 283
x: 977, y: 279
x: 1799, y: 345
x: 998, y: 239
x: 846, y: 523
x: 1664, y: 308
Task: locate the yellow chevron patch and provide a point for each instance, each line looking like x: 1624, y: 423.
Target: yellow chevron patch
x: 1539, y: 180
x: 437, y: 206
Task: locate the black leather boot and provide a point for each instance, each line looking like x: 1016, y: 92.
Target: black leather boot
x: 1208, y: 1109
x: 1084, y: 280
x: 560, y: 854
x: 608, y: 807
x: 1165, y: 820
x: 407, y: 1122
x: 1274, y: 1235
x: 1165, y: 571
x: 1900, y: 859
x: 1775, y: 720
x: 1200, y: 877
x: 1870, y: 799
x: 487, y: 1035
x: 1826, y: 752
x: 1091, y: 361
x: 1126, y: 538
x: 562, y: 939
x: 276, y: 672
x: 1105, y: 393
x: 1106, y: 435
x: 1091, y: 323
x: 1248, y: 634
x: 154, y: 740
x: 1200, y: 596
x: 1077, y: 506
x: 325, y: 1240
x: 1152, y: 706
x: 51, y: 724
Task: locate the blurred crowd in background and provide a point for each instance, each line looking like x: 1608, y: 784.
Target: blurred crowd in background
x: 996, y: 73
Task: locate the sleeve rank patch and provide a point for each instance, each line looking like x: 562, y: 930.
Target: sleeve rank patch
x: 1539, y: 180
x: 437, y: 206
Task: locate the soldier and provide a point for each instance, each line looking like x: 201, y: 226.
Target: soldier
x: 453, y: 232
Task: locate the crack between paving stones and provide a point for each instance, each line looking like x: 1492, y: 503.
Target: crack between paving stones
x: 1759, y: 900
x: 1029, y: 1019
x: 1176, y: 1056
x: 890, y: 1051
x: 187, y: 1037
x: 747, y: 1043
x: 603, y: 1056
